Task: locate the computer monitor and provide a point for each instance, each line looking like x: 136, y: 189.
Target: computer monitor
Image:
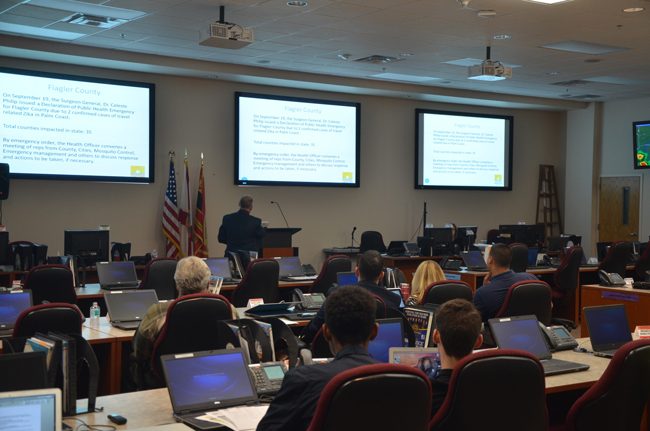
x: 390, y: 334
x: 90, y: 246
x: 466, y: 236
x: 290, y: 266
x: 22, y: 371
x: 529, y: 234
x: 439, y: 235
x: 11, y: 305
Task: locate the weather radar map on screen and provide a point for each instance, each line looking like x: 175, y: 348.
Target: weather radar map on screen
x: 641, y: 144
x: 457, y: 150
x: 292, y: 141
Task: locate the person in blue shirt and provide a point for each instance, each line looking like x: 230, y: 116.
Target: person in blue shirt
x: 489, y: 298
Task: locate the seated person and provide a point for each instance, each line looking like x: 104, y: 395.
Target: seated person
x: 457, y: 333
x: 349, y: 326
x: 489, y: 297
x: 192, y: 276
x: 428, y: 272
x: 370, y: 272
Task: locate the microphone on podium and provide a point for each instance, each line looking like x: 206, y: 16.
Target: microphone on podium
x: 354, y: 229
x: 281, y: 212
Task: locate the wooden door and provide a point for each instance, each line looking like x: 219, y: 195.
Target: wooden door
x: 618, y: 215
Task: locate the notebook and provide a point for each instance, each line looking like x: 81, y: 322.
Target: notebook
x: 473, y: 260
x: 206, y: 381
x: 390, y: 334
x: 127, y: 308
x: 524, y: 333
x: 346, y: 279
x: 11, y: 305
x: 117, y: 275
x: 220, y: 267
x: 608, y: 328
x: 39, y: 409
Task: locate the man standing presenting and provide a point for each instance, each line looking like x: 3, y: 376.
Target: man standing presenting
x: 240, y: 231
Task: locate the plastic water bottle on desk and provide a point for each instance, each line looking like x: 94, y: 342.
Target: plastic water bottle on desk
x: 95, y: 312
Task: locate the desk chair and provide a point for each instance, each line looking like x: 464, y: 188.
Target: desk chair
x: 382, y: 387
x: 618, y: 256
x: 327, y: 276
x: 442, y: 291
x: 642, y: 266
x: 55, y: 317
x: 617, y: 400
x: 159, y: 276
x: 497, y: 389
x: 492, y: 236
x: 372, y: 240
x: 319, y: 346
x: 193, y: 323
x: 565, y: 283
x: 51, y: 283
x: 528, y: 297
x: 260, y: 281
x: 519, y: 261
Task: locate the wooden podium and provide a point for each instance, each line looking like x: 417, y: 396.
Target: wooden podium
x: 277, y: 242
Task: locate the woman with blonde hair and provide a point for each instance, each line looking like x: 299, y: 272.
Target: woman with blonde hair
x: 428, y: 272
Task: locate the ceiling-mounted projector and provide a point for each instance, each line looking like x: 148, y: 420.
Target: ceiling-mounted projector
x: 489, y: 70
x: 228, y: 35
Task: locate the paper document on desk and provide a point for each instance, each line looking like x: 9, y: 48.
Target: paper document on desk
x: 242, y: 418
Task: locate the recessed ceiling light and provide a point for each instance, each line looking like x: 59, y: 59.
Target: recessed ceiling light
x: 548, y: 1
x: 486, y: 13
x: 633, y: 9
x: 501, y: 37
x: 297, y: 3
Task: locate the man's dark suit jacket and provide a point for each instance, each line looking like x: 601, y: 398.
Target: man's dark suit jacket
x: 241, y: 231
x: 295, y: 404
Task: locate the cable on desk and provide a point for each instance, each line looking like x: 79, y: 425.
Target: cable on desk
x: 83, y: 426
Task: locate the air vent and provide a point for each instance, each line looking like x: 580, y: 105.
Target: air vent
x: 571, y: 83
x: 94, y: 20
x: 378, y: 59
x: 581, y: 96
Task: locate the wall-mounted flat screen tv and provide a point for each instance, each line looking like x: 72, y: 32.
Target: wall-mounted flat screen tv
x: 641, y: 134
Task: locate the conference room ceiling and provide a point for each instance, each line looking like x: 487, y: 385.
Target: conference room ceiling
x: 601, y: 53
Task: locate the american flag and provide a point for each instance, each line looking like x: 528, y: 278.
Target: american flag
x: 200, y: 241
x: 170, y: 224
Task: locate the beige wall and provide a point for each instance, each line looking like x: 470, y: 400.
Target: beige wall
x: 198, y: 115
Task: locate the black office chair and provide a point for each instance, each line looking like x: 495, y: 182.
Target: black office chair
x: 372, y: 240
x: 519, y: 262
x: 56, y: 317
x: 385, y: 405
x: 528, y: 297
x: 159, y: 276
x: 494, y: 389
x: 565, y: 283
x: 260, y: 281
x: 617, y: 257
x: 442, y: 291
x: 642, y: 266
x: 327, y: 276
x: 51, y: 283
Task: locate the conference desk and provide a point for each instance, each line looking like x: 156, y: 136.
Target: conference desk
x: 636, y: 302
x: 153, y: 408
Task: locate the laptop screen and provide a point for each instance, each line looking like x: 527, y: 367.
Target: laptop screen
x: 473, y: 259
x: 21, y: 371
x: 290, y: 266
x: 532, y: 256
x: 208, y: 380
x: 11, y: 305
x: 425, y: 359
x: 219, y: 266
x: 390, y: 334
x: 346, y: 278
x: 116, y: 272
x: 608, y: 328
x: 131, y: 305
x: 520, y: 332
x: 31, y: 410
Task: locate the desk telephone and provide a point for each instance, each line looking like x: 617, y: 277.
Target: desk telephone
x: 268, y: 376
x: 308, y: 301
x: 558, y: 337
x: 610, y: 278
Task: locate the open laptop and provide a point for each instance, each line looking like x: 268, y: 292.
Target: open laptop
x: 220, y: 267
x: 127, y: 308
x: 390, y: 334
x: 38, y: 409
x: 117, y: 275
x: 473, y: 260
x: 524, y: 333
x: 207, y: 381
x: 426, y: 359
x: 608, y: 328
x: 291, y: 269
x: 346, y: 278
x: 11, y: 305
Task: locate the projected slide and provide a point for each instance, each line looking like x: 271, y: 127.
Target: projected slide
x: 61, y: 126
x: 463, y: 151
x: 289, y: 141
x: 642, y: 145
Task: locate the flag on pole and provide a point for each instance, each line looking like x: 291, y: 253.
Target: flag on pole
x: 185, y: 212
x: 200, y: 241
x: 170, y: 225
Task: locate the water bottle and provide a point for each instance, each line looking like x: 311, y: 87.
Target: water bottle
x: 95, y: 312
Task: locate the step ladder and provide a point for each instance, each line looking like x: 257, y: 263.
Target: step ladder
x: 548, y: 208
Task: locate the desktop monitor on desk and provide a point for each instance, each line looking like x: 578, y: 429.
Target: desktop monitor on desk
x: 89, y: 246
x: 437, y: 241
x: 529, y: 234
x: 466, y: 236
